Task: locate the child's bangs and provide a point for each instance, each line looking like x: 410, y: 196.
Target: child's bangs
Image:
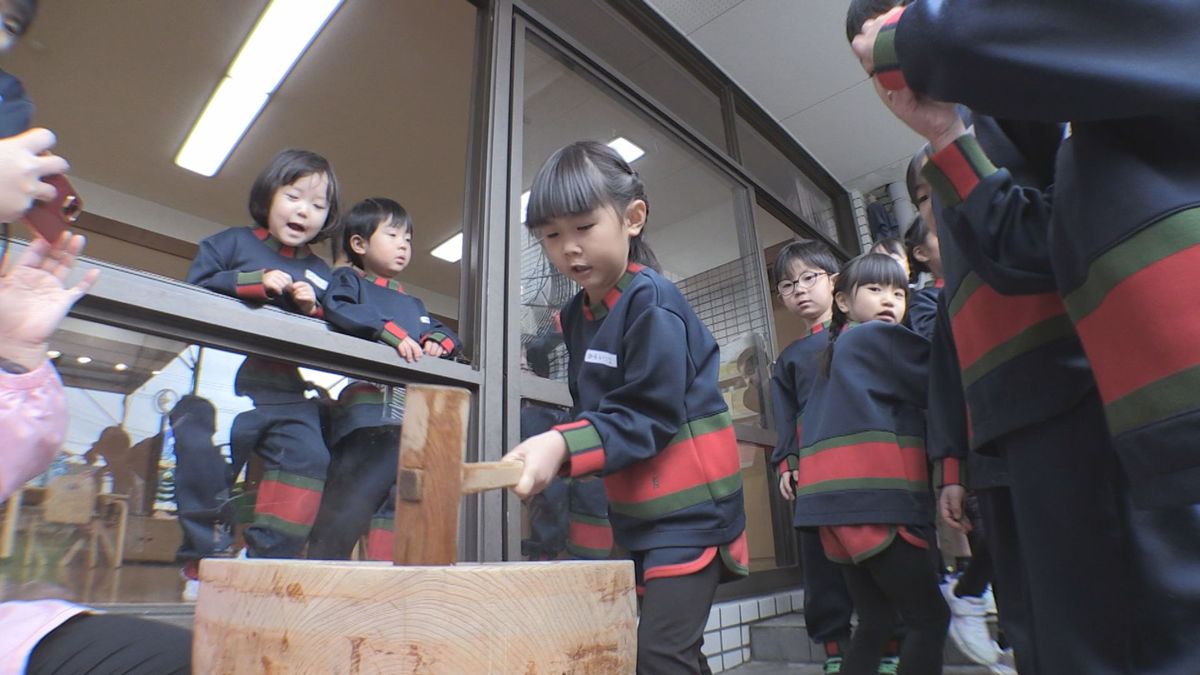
x: 877, y: 268
x: 567, y: 184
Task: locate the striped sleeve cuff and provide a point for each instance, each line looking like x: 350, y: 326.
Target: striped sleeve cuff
x: 957, y: 169
x: 585, y: 451
x: 949, y: 471
x: 887, y: 61
x: 318, y: 312
x: 789, y: 463
x: 392, y: 334
x: 250, y: 286
x: 445, y: 341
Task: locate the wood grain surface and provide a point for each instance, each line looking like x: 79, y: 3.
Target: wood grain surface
x: 297, y: 616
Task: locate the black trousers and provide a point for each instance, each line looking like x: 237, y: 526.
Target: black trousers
x: 1009, y: 582
x: 671, y: 628
x: 361, y: 474
x: 902, y: 581
x: 827, y: 603
x: 102, y: 644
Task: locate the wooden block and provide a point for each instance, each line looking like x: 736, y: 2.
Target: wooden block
x: 482, y: 476
x: 433, y: 443
x: 306, y: 616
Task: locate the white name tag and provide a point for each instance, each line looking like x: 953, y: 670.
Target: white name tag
x: 316, y: 279
x: 424, y: 319
x: 603, y: 358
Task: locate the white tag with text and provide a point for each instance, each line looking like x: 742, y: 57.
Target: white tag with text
x: 316, y: 279
x: 603, y: 358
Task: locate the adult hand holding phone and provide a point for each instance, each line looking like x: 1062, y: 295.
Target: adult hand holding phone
x: 24, y: 161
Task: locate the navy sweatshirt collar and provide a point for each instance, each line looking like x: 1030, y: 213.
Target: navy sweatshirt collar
x: 594, y: 311
x: 264, y: 235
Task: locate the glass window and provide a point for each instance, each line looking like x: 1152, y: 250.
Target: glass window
x: 185, y: 451
x: 600, y: 29
x: 786, y: 181
x: 384, y: 92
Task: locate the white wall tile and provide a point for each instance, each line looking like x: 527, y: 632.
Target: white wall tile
x: 731, y: 638
x: 712, y: 643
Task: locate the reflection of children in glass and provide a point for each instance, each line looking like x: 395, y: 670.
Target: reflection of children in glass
x: 201, y: 483
x: 368, y: 301
x: 650, y: 415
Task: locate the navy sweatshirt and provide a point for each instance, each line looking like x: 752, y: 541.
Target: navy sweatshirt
x: 651, y: 418
x: 791, y: 380
x: 1126, y: 203
x: 16, y: 110
x: 375, y: 308
x: 233, y: 263
x: 922, y: 307
x: 862, y: 446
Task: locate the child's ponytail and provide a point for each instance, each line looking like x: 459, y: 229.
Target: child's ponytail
x: 836, y: 325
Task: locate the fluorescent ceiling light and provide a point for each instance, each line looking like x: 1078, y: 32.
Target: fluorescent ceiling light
x: 283, y: 32
x: 120, y: 366
x: 53, y: 354
x: 524, y: 204
x: 626, y: 149
x: 450, y: 250
x: 84, y: 360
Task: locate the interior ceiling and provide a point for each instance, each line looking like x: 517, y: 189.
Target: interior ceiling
x: 792, y: 57
x: 383, y: 92
x: 691, y: 224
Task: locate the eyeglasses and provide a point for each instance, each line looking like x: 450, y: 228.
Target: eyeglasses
x: 806, y: 280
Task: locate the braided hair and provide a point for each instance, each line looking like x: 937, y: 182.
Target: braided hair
x: 582, y: 177
x: 868, y: 268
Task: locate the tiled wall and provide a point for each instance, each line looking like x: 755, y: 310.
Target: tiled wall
x: 727, y: 633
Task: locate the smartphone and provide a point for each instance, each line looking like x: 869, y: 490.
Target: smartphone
x: 51, y: 218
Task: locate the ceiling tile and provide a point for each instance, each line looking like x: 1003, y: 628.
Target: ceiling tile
x: 688, y: 15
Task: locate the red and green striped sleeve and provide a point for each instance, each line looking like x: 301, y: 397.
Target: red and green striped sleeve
x: 585, y: 450
x: 957, y: 169
x: 392, y: 334
x: 249, y: 286
x: 887, y: 61
x: 949, y: 471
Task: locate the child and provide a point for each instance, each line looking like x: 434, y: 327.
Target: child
x: 805, y: 272
x: 924, y: 254
x: 650, y: 416
x: 201, y: 487
x: 16, y: 110
x: 862, y: 472
x: 294, y: 202
x: 367, y: 301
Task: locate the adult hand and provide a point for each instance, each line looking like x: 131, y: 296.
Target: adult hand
x: 863, y: 44
x: 304, y: 296
x: 950, y: 503
x: 936, y: 121
x: 409, y: 350
x: 543, y: 456
x: 434, y: 349
x: 22, y: 166
x: 276, y: 282
x: 33, y: 298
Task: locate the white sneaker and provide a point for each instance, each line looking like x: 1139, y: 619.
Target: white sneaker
x: 968, y: 628
x: 191, y: 590
x: 989, y: 600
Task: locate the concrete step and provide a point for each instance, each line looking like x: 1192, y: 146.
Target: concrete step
x: 783, y: 639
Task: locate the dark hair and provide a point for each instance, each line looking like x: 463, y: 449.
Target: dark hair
x: 808, y: 251
x: 913, y: 178
x: 893, y: 244
x: 365, y: 217
x: 861, y: 10
x: 582, y: 177
x: 286, y: 168
x: 868, y: 268
x: 914, y: 237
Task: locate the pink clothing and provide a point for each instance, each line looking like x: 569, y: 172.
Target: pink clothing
x: 33, y: 422
x: 24, y: 624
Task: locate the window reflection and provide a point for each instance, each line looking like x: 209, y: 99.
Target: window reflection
x: 176, y: 452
